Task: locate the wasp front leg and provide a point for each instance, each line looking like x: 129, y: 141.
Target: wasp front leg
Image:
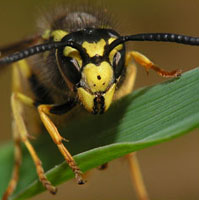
x: 148, y: 64
x: 125, y: 89
x: 18, y: 100
x: 44, y: 110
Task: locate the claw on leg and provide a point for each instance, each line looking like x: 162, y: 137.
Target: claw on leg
x: 148, y: 64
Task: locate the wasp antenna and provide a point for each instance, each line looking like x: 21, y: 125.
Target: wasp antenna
x: 39, y: 49
x: 157, y: 37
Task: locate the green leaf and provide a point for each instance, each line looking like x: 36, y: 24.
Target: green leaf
x: 147, y: 117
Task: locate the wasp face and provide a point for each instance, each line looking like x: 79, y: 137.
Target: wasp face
x: 93, y: 72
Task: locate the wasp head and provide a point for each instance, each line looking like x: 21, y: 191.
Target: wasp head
x: 94, y: 71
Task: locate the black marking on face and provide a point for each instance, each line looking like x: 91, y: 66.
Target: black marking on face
x: 91, y: 35
x: 98, y: 59
x: 99, y: 77
x: 99, y: 105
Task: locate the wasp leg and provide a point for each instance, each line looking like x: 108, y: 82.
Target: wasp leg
x: 125, y: 89
x: 57, y: 138
x: 148, y: 64
x: 136, y: 176
x: 17, y: 100
x: 17, y: 162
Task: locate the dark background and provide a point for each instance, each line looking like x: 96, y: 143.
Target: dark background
x: 171, y: 170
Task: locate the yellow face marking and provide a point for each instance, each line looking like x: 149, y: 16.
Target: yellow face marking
x: 46, y: 34
x: 86, y: 98
x: 58, y: 35
x: 110, y: 40
x: 114, y: 51
x: 108, y: 96
x: 73, y: 53
x: 93, y: 49
x: 98, y: 78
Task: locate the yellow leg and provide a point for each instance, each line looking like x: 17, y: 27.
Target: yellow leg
x: 17, y: 100
x: 136, y: 176
x: 57, y: 138
x: 148, y: 64
x: 125, y: 89
x: 17, y: 162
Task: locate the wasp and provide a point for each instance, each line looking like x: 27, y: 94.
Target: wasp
x: 77, y: 60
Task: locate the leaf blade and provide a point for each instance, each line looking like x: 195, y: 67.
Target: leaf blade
x: 147, y: 117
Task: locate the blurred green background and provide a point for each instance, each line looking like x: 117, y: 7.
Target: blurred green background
x: 171, y: 170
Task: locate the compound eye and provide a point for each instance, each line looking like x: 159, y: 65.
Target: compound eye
x: 69, y: 68
x: 118, y: 64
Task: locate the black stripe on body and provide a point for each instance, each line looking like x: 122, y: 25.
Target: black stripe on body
x: 40, y: 91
